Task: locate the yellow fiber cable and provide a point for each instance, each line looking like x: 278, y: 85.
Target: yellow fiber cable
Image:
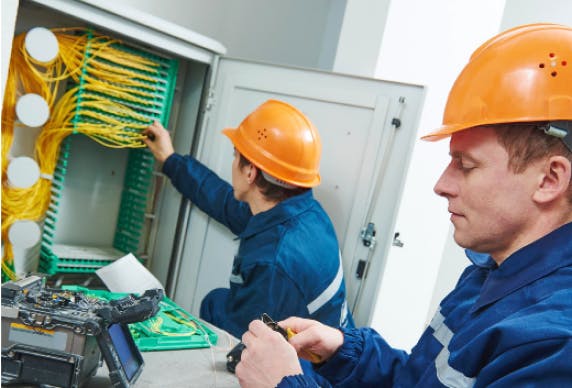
x: 155, y: 326
x: 109, y: 80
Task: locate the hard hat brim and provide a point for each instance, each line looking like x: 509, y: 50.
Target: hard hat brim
x: 443, y: 132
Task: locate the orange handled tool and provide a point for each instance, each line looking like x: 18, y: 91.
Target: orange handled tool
x: 287, y: 333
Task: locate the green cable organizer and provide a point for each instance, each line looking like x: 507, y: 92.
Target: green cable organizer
x: 132, y: 218
x: 48, y: 260
x: 171, y: 329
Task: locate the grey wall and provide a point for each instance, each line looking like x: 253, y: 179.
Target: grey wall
x: 519, y: 12
x: 294, y: 32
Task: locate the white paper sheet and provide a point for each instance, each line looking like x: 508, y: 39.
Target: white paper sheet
x: 127, y: 274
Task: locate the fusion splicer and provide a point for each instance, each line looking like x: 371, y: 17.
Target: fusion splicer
x: 54, y: 337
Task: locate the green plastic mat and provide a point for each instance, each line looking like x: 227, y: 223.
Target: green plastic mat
x: 171, y: 329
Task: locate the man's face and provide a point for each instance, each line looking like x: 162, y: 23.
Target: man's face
x: 491, y: 207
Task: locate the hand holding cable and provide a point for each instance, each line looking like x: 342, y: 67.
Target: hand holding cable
x: 159, y: 142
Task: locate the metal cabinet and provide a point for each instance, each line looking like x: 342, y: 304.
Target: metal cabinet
x: 367, y: 128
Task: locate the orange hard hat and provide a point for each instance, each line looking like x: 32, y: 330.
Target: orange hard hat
x: 281, y: 141
x: 523, y: 74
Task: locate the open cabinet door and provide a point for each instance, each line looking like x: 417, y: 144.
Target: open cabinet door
x: 367, y: 128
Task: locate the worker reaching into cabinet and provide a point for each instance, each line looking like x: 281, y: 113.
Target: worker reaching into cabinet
x: 288, y: 261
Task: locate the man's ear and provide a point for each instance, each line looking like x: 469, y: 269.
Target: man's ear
x: 555, y: 179
x: 252, y: 173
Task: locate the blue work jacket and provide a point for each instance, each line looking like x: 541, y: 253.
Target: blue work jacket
x: 502, y: 326
x: 288, y: 261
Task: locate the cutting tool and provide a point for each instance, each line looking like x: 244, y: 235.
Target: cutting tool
x: 287, y: 334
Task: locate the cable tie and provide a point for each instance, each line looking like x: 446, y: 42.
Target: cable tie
x: 47, y: 176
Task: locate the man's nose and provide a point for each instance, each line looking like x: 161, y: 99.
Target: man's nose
x: 444, y: 187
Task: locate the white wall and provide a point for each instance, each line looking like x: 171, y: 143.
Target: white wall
x: 519, y: 12
x: 361, y: 35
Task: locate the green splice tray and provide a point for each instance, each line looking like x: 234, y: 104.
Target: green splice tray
x: 171, y: 329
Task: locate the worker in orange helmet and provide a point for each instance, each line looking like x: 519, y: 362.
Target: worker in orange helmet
x: 508, y: 322
x: 288, y: 261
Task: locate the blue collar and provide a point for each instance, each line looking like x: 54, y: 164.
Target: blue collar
x: 527, y: 265
x: 483, y: 260
x: 284, y: 210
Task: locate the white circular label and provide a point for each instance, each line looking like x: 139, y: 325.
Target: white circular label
x: 41, y: 44
x: 24, y: 234
x: 23, y: 172
x: 32, y: 110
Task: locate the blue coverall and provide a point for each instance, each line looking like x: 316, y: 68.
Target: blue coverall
x: 288, y: 261
x: 502, y: 326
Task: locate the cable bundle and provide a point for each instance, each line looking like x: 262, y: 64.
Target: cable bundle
x: 19, y: 203
x: 113, y: 93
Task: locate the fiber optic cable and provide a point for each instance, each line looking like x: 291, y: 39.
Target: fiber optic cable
x: 117, y: 94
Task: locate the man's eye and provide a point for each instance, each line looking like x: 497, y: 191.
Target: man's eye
x: 463, y: 165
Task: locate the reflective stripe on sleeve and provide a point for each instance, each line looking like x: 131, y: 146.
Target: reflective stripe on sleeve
x: 447, y: 375
x: 329, y: 292
x: 236, y: 278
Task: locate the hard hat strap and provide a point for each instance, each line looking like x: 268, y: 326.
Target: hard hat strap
x: 277, y: 182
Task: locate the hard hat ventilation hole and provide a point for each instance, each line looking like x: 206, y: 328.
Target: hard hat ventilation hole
x: 553, y: 63
x: 262, y: 133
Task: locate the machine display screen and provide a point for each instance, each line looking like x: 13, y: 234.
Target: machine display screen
x: 127, y: 351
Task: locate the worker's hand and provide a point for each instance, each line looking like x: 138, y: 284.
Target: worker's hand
x: 159, y: 142
x: 313, y: 337
x: 267, y: 358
